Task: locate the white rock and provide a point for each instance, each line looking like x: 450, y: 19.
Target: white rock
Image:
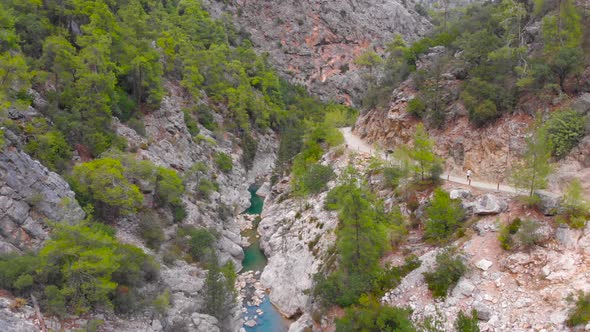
x: 484, y: 264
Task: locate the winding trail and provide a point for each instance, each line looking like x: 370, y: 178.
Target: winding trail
x: 355, y: 143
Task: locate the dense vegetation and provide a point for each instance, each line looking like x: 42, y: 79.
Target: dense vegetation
x: 81, y: 268
x: 492, y: 49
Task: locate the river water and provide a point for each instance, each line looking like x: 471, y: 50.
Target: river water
x: 254, y: 260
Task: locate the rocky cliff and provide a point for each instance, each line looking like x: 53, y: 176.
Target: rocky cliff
x: 314, y: 42
x: 30, y: 197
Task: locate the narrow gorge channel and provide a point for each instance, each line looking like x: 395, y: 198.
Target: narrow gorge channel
x: 258, y: 312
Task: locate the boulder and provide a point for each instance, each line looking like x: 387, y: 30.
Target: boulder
x: 304, y: 323
x: 489, y: 204
x: 550, y: 203
x: 205, y: 323
x: 484, y: 264
x: 460, y: 193
x: 483, y: 311
x: 264, y: 190
x: 582, y: 104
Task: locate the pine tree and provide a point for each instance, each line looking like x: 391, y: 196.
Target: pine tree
x: 535, y: 169
x: 423, y: 152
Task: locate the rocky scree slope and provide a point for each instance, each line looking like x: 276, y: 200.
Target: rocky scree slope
x: 517, y: 290
x: 314, y: 42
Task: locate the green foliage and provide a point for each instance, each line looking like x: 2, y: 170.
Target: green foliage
x: 102, y: 183
x: 51, y: 149
x: 449, y: 269
x: 82, y: 267
x: 532, y: 174
x: 416, y: 107
x: 224, y: 162
x: 576, y: 209
x: 506, y: 233
x: 362, y: 239
x: 315, y: 179
x: 150, y: 230
x: 467, y: 323
x: 12, y: 267
x: 199, y: 244
x: 191, y: 124
x: 423, y: 154
x: 162, y: 302
x: 370, y: 315
x: 220, y: 293
x: 169, y: 187
x: 444, y: 217
x: 580, y: 314
x: 565, y: 129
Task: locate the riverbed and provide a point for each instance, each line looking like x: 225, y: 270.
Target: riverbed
x: 254, y: 260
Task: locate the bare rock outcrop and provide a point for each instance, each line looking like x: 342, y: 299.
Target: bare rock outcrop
x: 295, y: 236
x: 314, y: 42
x: 30, y: 196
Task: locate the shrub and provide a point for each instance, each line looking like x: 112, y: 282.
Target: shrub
x: 205, y: 188
x: 205, y: 117
x: 576, y: 209
x: 466, y: 323
x: 565, y: 129
x: 371, y: 315
x: 150, y: 230
x: 416, y: 107
x: 444, y: 217
x: 224, y: 162
x: 137, y: 125
x: 506, y: 232
x: 580, y: 314
x: 199, y: 244
x: 449, y: 269
x: 527, y: 234
x: 191, y: 124
x: 169, y: 187
x: 51, y: 149
x: 178, y: 211
x: 391, y: 177
x: 316, y: 179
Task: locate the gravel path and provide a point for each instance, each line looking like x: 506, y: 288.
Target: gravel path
x: 355, y: 143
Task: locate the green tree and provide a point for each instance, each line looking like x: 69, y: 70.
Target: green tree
x: 169, y: 187
x: 102, y: 183
x: 449, y: 269
x: 444, y: 216
x: 84, y: 260
x: 219, y: 289
x: 532, y: 173
x: 576, y: 208
x: 423, y: 153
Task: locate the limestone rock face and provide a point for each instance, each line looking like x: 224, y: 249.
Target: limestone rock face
x: 314, y: 43
x: 31, y: 195
x: 168, y: 143
x: 294, y: 237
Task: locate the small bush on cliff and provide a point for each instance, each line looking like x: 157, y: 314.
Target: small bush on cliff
x: 370, y: 315
x: 576, y: 210
x: 580, y: 314
x: 224, y: 162
x: 565, y: 129
x: 449, y: 269
x: 467, y: 323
